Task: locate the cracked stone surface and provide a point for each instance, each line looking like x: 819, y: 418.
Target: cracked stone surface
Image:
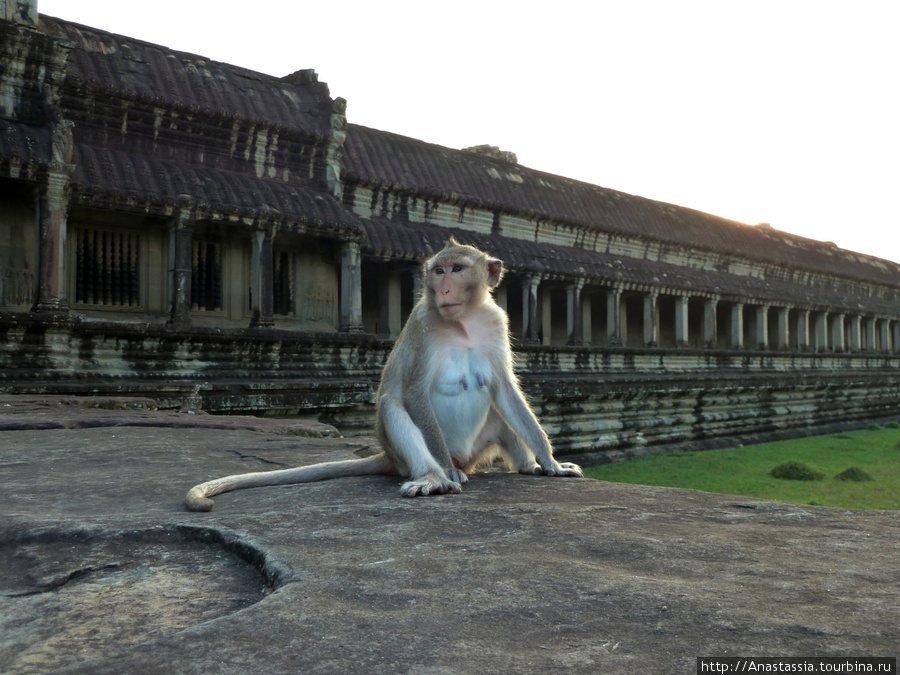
x: 516, y: 574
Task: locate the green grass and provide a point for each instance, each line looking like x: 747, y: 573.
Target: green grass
x: 747, y: 471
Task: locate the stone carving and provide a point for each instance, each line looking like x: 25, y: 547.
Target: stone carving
x: 16, y: 284
x: 63, y: 145
x: 319, y: 304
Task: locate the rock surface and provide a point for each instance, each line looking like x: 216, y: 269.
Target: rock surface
x: 105, y: 572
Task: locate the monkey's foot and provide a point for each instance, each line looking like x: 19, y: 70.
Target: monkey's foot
x: 559, y: 469
x: 458, y: 476
x: 431, y: 484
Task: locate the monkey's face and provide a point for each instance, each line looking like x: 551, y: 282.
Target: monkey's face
x: 457, y: 287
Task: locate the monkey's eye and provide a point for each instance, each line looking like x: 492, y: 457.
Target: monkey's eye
x: 438, y: 270
x: 457, y: 268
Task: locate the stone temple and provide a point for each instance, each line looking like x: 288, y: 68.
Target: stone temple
x: 211, y: 236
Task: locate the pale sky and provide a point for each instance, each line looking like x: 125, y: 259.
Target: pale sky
x: 778, y: 111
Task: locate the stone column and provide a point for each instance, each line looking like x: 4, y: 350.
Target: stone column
x: 855, y: 334
x: 389, y: 312
x: 885, y: 335
x: 574, y: 317
x: 681, y: 321
x: 614, y: 317
x: 822, y: 332
x: 181, y: 249
x: 51, y: 293
x: 587, y: 326
x: 651, y: 319
x: 895, y: 335
x: 762, y: 327
x: 262, y: 277
x: 803, y: 330
x: 351, y: 288
x: 530, y: 326
x: 546, y: 318
x: 837, y: 334
x: 710, y: 328
x: 737, y: 326
x: 870, y: 334
x: 501, y: 297
x: 784, y: 330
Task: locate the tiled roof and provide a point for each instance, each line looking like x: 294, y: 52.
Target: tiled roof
x: 397, y: 239
x: 141, y: 70
x: 147, y: 179
x: 127, y: 170
x: 388, y: 160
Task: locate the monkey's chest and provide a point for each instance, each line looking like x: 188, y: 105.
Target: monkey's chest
x: 461, y: 395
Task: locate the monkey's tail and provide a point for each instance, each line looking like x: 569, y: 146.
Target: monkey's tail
x: 197, y: 498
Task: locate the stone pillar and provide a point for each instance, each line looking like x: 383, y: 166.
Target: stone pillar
x: 895, y: 335
x: 574, y: 317
x: 587, y: 326
x: 822, y: 332
x: 181, y: 249
x: 784, y: 330
x: 855, y: 334
x: 870, y: 334
x: 51, y: 293
x: 710, y: 328
x: 389, y: 311
x: 501, y: 298
x: 681, y: 321
x: 351, y: 288
x: 651, y: 319
x: 803, y: 330
x: 530, y: 326
x: 885, y: 335
x: 262, y: 277
x: 762, y: 327
x: 614, y: 317
x: 837, y: 334
x: 546, y: 318
x: 737, y: 326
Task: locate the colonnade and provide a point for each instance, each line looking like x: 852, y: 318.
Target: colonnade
x: 548, y: 311
x: 620, y: 315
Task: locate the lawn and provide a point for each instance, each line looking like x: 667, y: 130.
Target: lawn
x: 746, y: 471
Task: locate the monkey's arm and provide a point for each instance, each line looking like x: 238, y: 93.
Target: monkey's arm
x: 406, y: 423
x: 512, y: 406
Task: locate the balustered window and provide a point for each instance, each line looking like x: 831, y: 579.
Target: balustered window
x: 106, y: 267
x: 206, y: 276
x: 283, y: 286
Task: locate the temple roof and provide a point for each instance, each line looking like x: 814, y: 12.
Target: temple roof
x: 195, y: 130
x: 402, y: 164
x: 141, y: 70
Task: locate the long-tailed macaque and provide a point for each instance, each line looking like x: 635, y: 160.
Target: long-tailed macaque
x: 448, y: 401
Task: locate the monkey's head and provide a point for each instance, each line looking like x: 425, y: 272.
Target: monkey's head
x: 459, y: 278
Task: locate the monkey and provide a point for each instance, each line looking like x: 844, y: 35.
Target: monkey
x: 448, y: 401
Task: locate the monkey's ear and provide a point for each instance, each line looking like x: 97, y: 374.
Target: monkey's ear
x: 495, y: 272
x: 451, y: 242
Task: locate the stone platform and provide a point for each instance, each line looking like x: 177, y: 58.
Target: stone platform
x: 105, y: 572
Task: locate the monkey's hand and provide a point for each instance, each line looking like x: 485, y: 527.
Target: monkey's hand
x: 434, y: 484
x: 554, y: 468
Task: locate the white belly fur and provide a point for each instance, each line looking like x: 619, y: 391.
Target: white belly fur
x: 461, y: 400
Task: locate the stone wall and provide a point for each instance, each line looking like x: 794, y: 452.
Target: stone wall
x: 594, y: 402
